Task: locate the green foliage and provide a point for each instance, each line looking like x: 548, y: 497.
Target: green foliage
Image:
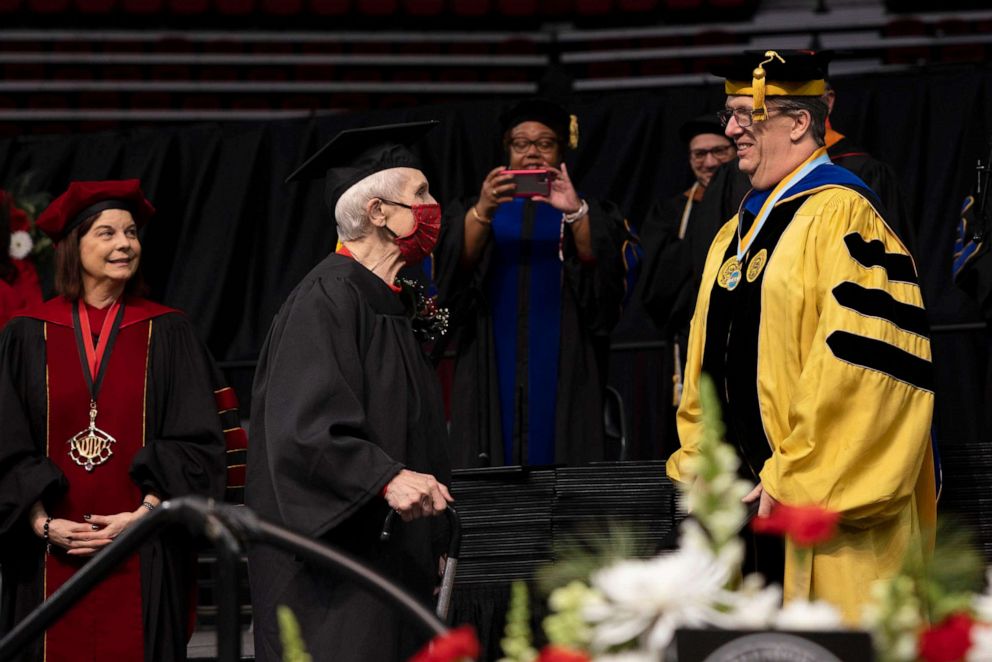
x: 945, y: 581
x: 517, y: 644
x: 581, y: 555
x: 566, y: 626
x: 293, y: 648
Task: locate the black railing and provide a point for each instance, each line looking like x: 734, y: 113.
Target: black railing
x: 229, y: 529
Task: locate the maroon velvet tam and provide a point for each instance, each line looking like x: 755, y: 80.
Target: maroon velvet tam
x: 84, y: 199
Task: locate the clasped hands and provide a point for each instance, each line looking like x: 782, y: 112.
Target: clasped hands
x: 88, y: 537
x: 413, y: 495
x: 498, y: 187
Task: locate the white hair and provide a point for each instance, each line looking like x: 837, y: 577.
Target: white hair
x: 350, y: 214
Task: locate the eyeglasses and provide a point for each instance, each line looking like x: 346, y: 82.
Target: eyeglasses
x: 521, y: 145
x: 719, y: 152
x: 744, y: 116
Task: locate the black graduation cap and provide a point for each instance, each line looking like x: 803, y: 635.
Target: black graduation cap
x: 796, y: 66
x: 548, y: 113
x: 761, y: 74
x: 707, y: 123
x: 354, y: 154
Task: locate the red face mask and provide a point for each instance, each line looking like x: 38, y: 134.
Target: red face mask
x: 417, y: 245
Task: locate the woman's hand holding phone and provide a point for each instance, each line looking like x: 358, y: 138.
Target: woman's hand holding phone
x: 563, y: 196
x: 497, y: 188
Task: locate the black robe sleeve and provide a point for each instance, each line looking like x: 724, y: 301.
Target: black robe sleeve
x: 601, y: 285
x: 322, y: 463
x: 184, y: 447
x: 667, y: 288
x: 26, y: 474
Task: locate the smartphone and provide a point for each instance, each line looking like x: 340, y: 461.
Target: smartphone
x: 531, y: 182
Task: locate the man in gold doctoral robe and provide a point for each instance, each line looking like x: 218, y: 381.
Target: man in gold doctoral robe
x: 810, y: 321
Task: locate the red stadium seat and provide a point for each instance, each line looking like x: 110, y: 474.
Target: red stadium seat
x: 962, y: 53
x: 593, y: 7
x: 458, y: 75
x: 556, y: 8
x: 72, y: 73
x: 398, y: 101
x: 111, y: 100
x: 517, y: 8
x: 661, y: 68
x: 202, y: 102
x: 121, y: 72
x: 905, y: 27
x: 637, y: 6
x: 48, y: 6
x: 416, y: 75
x: 142, y: 6
x: 251, y: 103
x: 423, y: 8
x: 301, y: 102
x: 349, y: 101
x: 469, y: 48
x: 470, y: 8
x: 151, y: 101
x: 188, y: 7
x: 377, y: 7
x: 313, y: 72
x: 266, y: 74
x: 234, y: 7
x: 219, y: 73
x: 10, y: 6
x: 330, y: 7
x: 95, y: 6
x: 169, y: 72
x: 608, y: 70
x: 282, y: 7
x: 27, y: 71
x: 47, y: 101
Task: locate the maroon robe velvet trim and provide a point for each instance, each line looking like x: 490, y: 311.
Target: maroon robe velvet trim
x: 59, y: 311
x: 107, y: 623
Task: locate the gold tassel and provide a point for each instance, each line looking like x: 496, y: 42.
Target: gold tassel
x: 760, y: 113
x: 573, y: 131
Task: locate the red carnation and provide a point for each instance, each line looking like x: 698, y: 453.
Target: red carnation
x: 947, y: 642
x: 805, y: 526
x: 554, y: 653
x: 451, y: 646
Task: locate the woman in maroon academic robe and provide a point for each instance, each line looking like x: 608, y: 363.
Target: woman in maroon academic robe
x: 107, y: 409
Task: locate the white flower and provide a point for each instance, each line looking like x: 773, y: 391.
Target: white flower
x: 20, y: 244
x: 981, y: 643
x: 752, y: 607
x: 653, y: 597
x: 804, y: 615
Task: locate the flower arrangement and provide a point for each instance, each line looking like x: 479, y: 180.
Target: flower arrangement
x: 617, y: 608
x: 429, y: 321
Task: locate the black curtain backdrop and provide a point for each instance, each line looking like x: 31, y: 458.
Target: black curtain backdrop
x: 231, y: 240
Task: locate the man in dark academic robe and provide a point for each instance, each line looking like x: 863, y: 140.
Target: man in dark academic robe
x: 534, y: 285
x: 349, y: 418
x: 666, y: 287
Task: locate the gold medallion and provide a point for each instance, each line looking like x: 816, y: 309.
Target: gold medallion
x: 756, y: 265
x: 91, y: 447
x: 729, y: 275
